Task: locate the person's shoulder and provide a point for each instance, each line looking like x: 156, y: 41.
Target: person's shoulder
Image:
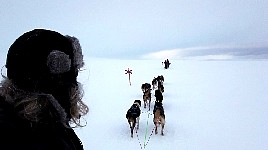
x: 4, y: 104
x: 7, y: 126
x: 6, y: 113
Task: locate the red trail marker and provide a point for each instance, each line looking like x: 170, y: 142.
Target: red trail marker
x: 128, y: 72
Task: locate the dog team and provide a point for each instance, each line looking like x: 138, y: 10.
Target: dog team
x: 133, y: 113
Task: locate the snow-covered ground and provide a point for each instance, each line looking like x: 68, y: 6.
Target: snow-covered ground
x: 209, y: 105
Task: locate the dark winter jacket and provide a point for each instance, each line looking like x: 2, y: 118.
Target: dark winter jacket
x: 20, y: 134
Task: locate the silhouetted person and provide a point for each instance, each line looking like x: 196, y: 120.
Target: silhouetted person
x: 41, y: 97
x: 168, y: 63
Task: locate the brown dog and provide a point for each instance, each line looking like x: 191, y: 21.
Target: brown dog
x: 145, y: 86
x: 159, y: 117
x: 147, y: 98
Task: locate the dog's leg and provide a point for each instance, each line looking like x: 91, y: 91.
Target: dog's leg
x: 131, y: 127
x: 131, y: 132
x: 129, y: 123
x: 144, y: 100
x: 155, y: 124
x: 138, y: 122
x: 163, y: 125
x: 162, y: 130
x: 144, y: 103
x: 155, y: 128
x: 149, y: 103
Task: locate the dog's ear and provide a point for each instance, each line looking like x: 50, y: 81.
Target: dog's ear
x: 139, y: 101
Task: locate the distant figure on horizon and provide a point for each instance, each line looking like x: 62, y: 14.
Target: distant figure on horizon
x: 166, y: 63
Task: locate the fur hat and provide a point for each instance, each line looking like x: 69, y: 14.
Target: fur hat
x: 40, y: 59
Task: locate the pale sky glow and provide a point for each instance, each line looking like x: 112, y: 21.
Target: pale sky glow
x: 211, y: 53
x: 135, y: 29
x: 162, y: 54
x: 214, y: 57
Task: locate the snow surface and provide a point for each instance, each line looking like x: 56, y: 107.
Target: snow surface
x: 209, y: 105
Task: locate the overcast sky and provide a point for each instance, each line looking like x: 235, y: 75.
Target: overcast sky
x: 133, y: 29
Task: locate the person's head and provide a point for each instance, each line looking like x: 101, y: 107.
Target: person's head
x: 42, y: 67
